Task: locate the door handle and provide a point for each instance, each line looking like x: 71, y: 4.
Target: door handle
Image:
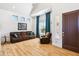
x: 62, y: 33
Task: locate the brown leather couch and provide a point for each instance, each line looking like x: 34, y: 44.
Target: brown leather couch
x: 21, y: 36
x: 45, y: 39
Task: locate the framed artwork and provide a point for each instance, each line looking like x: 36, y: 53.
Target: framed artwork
x: 22, y: 26
x: 21, y: 19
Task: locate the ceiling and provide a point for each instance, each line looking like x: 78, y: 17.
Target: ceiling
x: 21, y: 8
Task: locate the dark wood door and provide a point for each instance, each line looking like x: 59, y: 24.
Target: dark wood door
x: 70, y: 32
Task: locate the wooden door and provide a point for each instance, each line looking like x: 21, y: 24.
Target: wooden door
x: 70, y: 31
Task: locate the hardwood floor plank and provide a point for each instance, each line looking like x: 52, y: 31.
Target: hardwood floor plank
x: 32, y: 47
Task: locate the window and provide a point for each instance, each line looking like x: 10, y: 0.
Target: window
x: 42, y: 25
x: 14, y: 18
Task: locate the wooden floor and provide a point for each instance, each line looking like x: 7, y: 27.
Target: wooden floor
x: 32, y: 47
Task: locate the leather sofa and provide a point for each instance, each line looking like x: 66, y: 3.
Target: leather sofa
x: 21, y: 36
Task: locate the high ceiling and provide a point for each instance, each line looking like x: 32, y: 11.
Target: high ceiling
x: 21, y: 8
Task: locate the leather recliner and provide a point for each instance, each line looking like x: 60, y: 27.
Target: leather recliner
x: 45, y: 39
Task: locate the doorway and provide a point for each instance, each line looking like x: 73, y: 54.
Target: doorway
x: 70, y: 28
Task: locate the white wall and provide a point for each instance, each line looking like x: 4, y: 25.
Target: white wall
x: 33, y: 24
x: 56, y: 15
x: 8, y: 25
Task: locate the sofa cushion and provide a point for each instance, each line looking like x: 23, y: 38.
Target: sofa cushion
x: 15, y: 35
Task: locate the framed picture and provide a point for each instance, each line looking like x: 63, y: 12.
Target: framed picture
x: 22, y: 19
x: 22, y: 26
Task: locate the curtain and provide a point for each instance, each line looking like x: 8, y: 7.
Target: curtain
x: 37, y: 26
x: 48, y: 22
